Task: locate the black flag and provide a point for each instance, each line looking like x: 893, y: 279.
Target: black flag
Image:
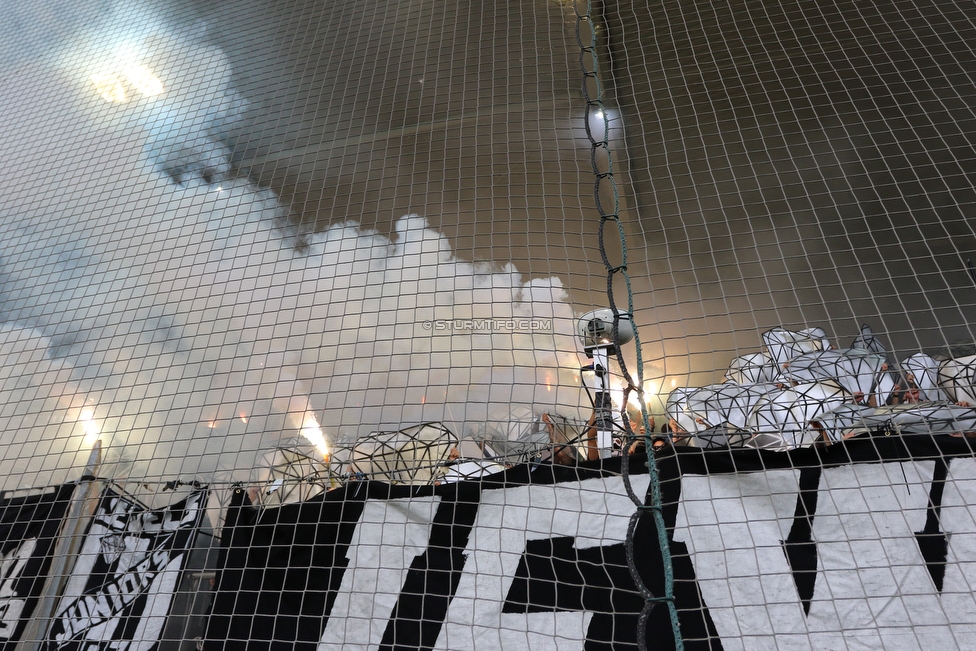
x: 28, y: 530
x: 119, y: 593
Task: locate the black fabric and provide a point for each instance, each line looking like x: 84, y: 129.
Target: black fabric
x: 877, y: 449
x: 283, y: 566
x: 434, y: 575
x: 554, y: 576
x: 35, y: 521
x: 698, y: 632
x: 932, y: 541
x: 127, y: 552
x: 799, y: 546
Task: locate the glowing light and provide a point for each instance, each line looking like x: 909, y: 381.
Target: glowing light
x: 313, y: 434
x: 650, y: 390
x: 616, y: 398
x: 212, y: 424
x: 109, y: 87
x: 89, y: 425
x: 112, y: 86
x: 633, y: 400
x: 244, y: 418
x: 144, y: 80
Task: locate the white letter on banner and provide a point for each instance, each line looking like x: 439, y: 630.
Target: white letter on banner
x: 871, y: 578
x: 595, y: 512
x: 733, y: 525
x: 10, y: 611
x: 11, y: 567
x: 389, y: 536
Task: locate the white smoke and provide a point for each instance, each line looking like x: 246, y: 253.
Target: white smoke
x: 154, y: 302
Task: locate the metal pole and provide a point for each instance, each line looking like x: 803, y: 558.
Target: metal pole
x: 65, y: 550
x: 603, y: 405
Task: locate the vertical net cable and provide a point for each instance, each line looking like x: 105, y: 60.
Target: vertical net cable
x: 604, y: 189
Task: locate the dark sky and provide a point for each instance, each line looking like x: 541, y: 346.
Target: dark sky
x: 797, y: 164
x: 804, y: 163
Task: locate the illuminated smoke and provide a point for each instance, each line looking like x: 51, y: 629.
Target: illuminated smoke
x: 155, y: 302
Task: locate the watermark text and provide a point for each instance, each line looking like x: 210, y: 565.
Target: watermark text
x: 487, y: 324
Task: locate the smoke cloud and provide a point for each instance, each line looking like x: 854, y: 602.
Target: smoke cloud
x: 156, y: 301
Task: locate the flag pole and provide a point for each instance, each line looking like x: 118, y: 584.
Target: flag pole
x: 66, y: 549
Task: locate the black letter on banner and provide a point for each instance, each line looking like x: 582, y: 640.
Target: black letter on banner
x: 281, y: 571
x: 697, y: 628
x: 554, y: 576
x: 433, y: 577
x: 799, y: 546
x: 932, y: 541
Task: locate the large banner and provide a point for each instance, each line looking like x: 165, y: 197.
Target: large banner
x: 869, y: 544
x: 496, y: 562
x: 119, y: 592
x: 28, y: 531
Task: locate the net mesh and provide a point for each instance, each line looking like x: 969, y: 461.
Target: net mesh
x: 298, y: 342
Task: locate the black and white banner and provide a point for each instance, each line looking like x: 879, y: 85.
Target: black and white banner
x: 119, y: 593
x: 844, y: 547
x: 868, y: 545
x: 499, y: 562
x: 28, y: 531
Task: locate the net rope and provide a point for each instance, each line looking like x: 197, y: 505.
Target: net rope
x: 601, y: 160
x: 297, y: 305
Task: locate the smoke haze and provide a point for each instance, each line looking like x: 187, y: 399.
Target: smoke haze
x: 157, y: 301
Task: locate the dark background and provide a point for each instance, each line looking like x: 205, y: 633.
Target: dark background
x: 799, y: 164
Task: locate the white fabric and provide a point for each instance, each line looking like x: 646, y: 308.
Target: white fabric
x: 872, y: 589
x: 868, y: 341
x: 752, y: 368
x: 958, y: 378
x: 727, y: 403
x: 783, y: 345
x: 854, y: 369
x: 924, y: 370
x: 781, y: 419
x: 676, y: 408
x: 595, y: 512
x: 414, y: 455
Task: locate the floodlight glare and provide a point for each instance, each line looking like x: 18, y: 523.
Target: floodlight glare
x: 110, y: 88
x: 144, y: 80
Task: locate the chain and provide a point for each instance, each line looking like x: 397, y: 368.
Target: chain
x: 605, y: 188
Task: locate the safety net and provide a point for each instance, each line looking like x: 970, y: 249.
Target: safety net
x: 546, y: 324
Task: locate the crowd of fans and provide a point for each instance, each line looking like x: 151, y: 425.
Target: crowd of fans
x: 799, y: 391
x: 802, y: 390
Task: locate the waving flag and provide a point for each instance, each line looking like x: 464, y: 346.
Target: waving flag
x: 120, y: 590
x: 28, y: 530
